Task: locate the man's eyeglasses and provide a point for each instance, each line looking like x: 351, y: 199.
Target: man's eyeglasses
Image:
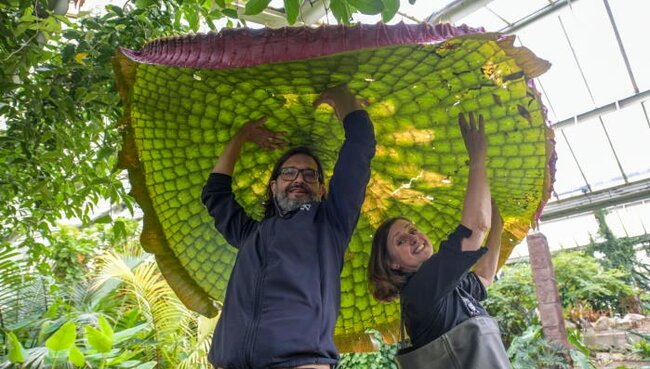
x: 291, y: 173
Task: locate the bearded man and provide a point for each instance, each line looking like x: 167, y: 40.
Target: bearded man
x: 283, y: 296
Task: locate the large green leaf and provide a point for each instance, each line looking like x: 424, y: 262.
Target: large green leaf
x: 98, y: 340
x: 390, y: 9
x: 63, y: 339
x: 16, y: 351
x: 180, y: 118
x: 256, y: 6
x: 76, y: 357
x: 369, y: 7
x: 291, y: 9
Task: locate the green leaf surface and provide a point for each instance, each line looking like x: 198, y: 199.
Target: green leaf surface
x: 16, y: 351
x: 256, y: 6
x: 292, y: 9
x: 98, y: 340
x: 341, y: 11
x: 127, y: 334
x: 76, y: 357
x: 369, y: 7
x: 105, y: 327
x: 182, y: 118
x: 63, y: 338
x: 390, y: 9
x: 232, y: 13
x: 147, y: 365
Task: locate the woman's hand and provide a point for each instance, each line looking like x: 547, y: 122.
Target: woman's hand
x: 497, y: 220
x: 474, y: 136
x: 476, y: 213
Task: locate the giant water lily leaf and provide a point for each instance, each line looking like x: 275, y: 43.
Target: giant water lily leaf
x: 186, y: 97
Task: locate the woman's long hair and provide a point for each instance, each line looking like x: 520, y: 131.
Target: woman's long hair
x: 269, y: 203
x: 383, y: 281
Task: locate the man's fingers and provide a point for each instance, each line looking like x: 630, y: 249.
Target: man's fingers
x: 258, y: 122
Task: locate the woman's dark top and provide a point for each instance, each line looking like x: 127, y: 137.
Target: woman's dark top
x: 443, y: 292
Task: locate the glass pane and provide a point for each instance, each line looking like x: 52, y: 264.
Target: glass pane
x: 565, y: 90
x: 630, y: 18
x: 422, y: 9
x: 483, y: 18
x: 514, y: 10
x: 594, y: 42
x: 630, y: 136
x: 626, y: 221
x: 563, y: 234
x: 594, y: 154
x: 568, y: 181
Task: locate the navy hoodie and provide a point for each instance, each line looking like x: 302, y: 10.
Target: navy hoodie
x: 283, y: 296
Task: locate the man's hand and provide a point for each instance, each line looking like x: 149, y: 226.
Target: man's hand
x: 341, y: 99
x: 254, y: 131
x: 249, y: 132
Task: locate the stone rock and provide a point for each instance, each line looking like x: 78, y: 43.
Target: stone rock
x: 569, y: 324
x: 607, y: 340
x: 604, y: 323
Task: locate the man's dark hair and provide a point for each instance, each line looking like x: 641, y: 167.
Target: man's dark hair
x: 269, y: 203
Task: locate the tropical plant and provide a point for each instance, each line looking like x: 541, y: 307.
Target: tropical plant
x: 582, y: 279
x: 621, y: 253
x: 145, y: 326
x: 531, y: 350
x: 584, y: 287
x: 382, y: 358
x: 512, y: 301
x: 642, y: 347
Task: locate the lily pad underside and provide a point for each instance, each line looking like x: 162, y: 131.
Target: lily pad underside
x: 186, y: 97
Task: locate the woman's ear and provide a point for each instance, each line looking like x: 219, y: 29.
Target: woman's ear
x: 394, y: 266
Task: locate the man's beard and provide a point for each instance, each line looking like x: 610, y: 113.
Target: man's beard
x: 287, y: 204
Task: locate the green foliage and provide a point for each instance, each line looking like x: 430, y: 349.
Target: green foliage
x: 61, y: 109
x: 581, y: 281
x: 531, y: 350
x: 643, y: 348
x: 580, y: 353
x: 341, y: 10
x: 369, y: 7
x: 80, y: 326
x: 620, y: 253
x: 63, y: 338
x: 581, y: 278
x: 256, y: 6
x: 383, y: 358
x: 100, y: 339
x: 390, y: 9
x: 70, y: 250
x: 15, y: 350
x: 512, y: 301
x: 292, y: 8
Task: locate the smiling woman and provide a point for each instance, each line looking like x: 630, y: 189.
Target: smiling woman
x: 438, y: 295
